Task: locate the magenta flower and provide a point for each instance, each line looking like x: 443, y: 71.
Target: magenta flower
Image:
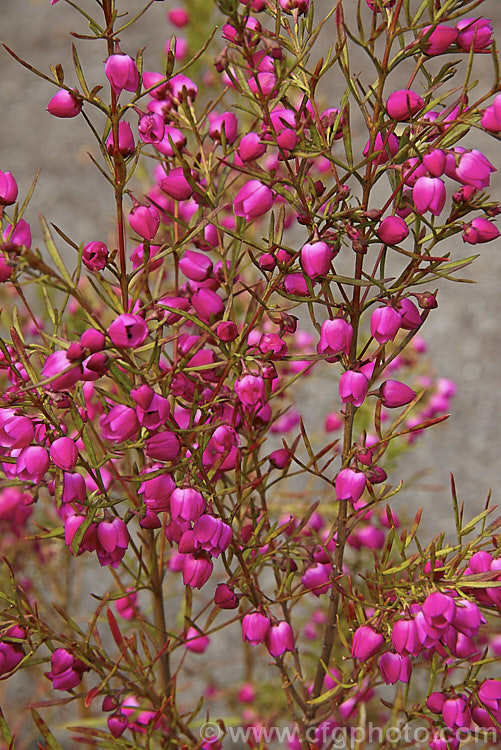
x: 479, y: 230
x: 385, y: 323
x: 253, y: 200
x: 176, y: 185
x: 113, y: 534
x: 64, y: 453
x: 208, y: 305
x: 255, y: 628
x: 57, y: 363
x: 119, y: 424
x: 456, y: 713
x: 226, y: 121
x: 212, y: 534
x: 350, y: 485
x: 301, y: 6
x: 366, y: 643
x: 280, y: 638
x: 93, y: 340
x: 439, y: 610
x: 181, y: 88
x: 145, y: 221
x: 440, y: 40
x: 197, y: 569
x: 435, y: 162
x: 128, y: 330
x: 65, y: 104
x: 429, y: 194
x: 316, y: 578
x: 409, y: 314
x: 15, y: 431
x: 126, y: 143
x: 66, y: 671
x: 151, y: 127
x: 186, y: 504
x: 353, y: 385
x: 195, y: 266
x: 95, y: 256
x: 152, y: 409
x: 316, y: 259
x: 225, y: 597
x: 32, y: 464
x: 250, y: 390
x: 127, y: 605
x: 474, y: 34
x: 387, y: 144
x: 251, y: 147
x: 403, y: 104
x: 121, y: 71
x: 8, y: 189
x: 178, y: 17
x: 195, y: 641
x: 164, y: 446
x: 17, y: 235
x: 474, y: 169
x: 335, y: 337
x: 394, y: 667
x: 392, y: 230
x: 394, y: 394
x: 404, y: 637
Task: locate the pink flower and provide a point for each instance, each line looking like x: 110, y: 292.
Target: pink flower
x: 350, y: 485
x: 164, y: 446
x: 64, y: 453
x: 65, y: 104
x: 128, y: 330
x: 176, y: 185
x: 250, y: 390
x: 394, y: 394
x: 316, y: 578
x: 429, y: 194
x: 255, y: 628
x: 366, y: 643
x: 280, y: 638
x: 144, y: 220
x: 335, y: 337
x: 479, y: 230
x: 95, y: 256
x: 316, y: 259
x: 301, y: 6
x: 126, y: 143
x: 354, y: 384
x: 403, y: 104
x: 225, y: 597
x: 253, y: 200
x: 119, y: 424
x: 195, y: 641
x: 387, y: 144
x: 440, y: 39
x: 251, y: 147
x: 394, y: 667
x: 121, y: 71
x: 197, y: 569
x: 474, y: 34
x: 392, y: 230
x: 32, y: 463
x: 385, y: 323
x: 474, y: 169
x: 178, y: 17
x: 8, y: 189
x: 187, y: 504
x: 226, y: 121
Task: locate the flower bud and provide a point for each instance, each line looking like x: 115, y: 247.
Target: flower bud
x: 280, y: 638
x: 128, y: 330
x: 403, y: 105
x: 225, y: 597
x: 64, y: 453
x: 65, y: 104
x: 385, y: 323
x: 178, y: 17
x: 429, y: 194
x: 350, y: 485
x: 195, y: 641
x: 8, y: 189
x: 474, y: 34
x: 253, y: 200
x: 366, y: 643
x: 145, y: 221
x: 394, y: 394
x: 126, y: 143
x: 255, y: 628
x: 316, y: 259
x: 440, y: 39
x: 121, y: 71
x: 251, y: 147
x: 392, y: 230
x: 95, y: 256
x: 197, y: 569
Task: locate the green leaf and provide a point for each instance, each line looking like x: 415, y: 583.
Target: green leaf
x: 53, y: 252
x: 5, y: 732
x: 52, y: 743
